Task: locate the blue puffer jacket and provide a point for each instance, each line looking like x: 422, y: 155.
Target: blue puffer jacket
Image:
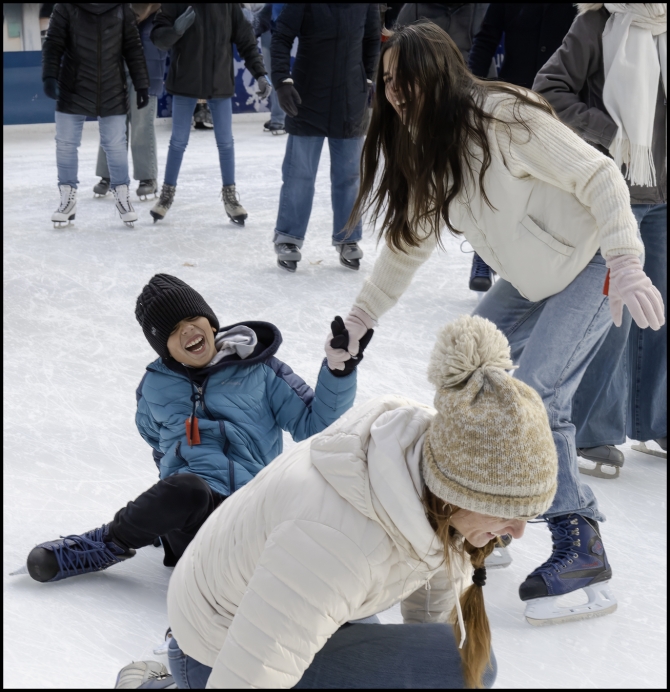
x: 242, y: 408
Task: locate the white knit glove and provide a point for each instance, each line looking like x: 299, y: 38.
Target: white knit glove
x: 630, y: 286
x: 357, y: 323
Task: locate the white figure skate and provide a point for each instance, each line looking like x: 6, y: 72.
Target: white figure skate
x: 67, y: 207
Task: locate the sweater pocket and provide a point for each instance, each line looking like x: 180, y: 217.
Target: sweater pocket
x: 529, y: 225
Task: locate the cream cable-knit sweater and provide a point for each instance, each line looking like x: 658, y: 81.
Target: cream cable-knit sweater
x: 553, y: 154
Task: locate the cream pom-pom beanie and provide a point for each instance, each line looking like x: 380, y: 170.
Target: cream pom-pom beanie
x: 489, y: 449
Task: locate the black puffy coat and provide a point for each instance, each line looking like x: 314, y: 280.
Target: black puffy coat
x: 201, y: 62
x: 533, y: 32
x: 93, y: 41
x: 338, y: 48
x: 460, y: 20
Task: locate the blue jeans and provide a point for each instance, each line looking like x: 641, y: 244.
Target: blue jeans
x: 277, y: 115
x: 624, y: 390
x: 301, y: 162
x: 112, y: 139
x: 366, y: 656
x: 553, y: 341
x: 141, y: 123
x: 182, y: 116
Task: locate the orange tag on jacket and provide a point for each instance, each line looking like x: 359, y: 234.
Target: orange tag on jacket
x: 606, y: 287
x: 192, y: 432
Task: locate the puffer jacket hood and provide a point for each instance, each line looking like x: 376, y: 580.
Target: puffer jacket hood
x: 373, y: 462
x: 332, y: 531
x: 98, y: 8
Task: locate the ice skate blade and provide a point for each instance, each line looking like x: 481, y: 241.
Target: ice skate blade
x: 350, y: 264
x: 546, y: 611
x: 642, y: 447
x: 21, y: 570
x: 237, y: 220
x: 156, y: 217
x: 287, y: 265
x: 597, y: 470
x: 571, y: 618
x: 498, y: 559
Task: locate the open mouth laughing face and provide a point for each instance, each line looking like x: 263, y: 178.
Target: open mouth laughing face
x: 192, y: 342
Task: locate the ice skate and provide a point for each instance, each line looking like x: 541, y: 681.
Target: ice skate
x: 145, y: 675
x: 101, y: 188
x: 231, y: 203
x: 500, y: 557
x: 67, y: 207
x: 161, y: 208
x: 481, y: 275
x: 163, y: 648
x: 146, y: 188
x: 662, y: 442
x: 202, y: 117
x: 123, y: 206
x: 578, y: 561
x: 266, y: 125
x: 276, y: 129
x: 350, y: 255
x: 73, y: 555
x: 288, y: 256
x: 604, y: 461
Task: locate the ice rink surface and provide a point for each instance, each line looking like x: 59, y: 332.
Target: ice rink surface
x: 74, y: 354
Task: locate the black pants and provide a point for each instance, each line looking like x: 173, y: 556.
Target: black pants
x: 173, y: 509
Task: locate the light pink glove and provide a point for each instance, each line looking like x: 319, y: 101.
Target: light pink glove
x: 357, y: 323
x: 630, y: 286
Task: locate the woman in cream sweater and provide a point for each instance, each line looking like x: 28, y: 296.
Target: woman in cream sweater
x: 548, y: 212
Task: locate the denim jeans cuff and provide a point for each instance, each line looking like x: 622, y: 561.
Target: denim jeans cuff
x: 285, y: 238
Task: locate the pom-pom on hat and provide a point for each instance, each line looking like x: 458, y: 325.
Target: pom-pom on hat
x: 489, y: 449
x: 164, y: 302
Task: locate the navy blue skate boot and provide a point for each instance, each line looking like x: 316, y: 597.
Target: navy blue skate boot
x: 481, y: 275
x: 72, y: 555
x: 578, y: 561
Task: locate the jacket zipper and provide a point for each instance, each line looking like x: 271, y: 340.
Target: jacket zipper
x: 99, y: 64
x: 426, y: 609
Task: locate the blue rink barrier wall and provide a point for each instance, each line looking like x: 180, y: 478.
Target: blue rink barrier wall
x: 23, y: 100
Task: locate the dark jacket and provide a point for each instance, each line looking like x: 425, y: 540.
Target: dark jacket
x: 338, y: 49
x: 532, y: 33
x: 155, y: 57
x: 93, y: 41
x: 201, y: 63
x: 460, y: 20
x: 242, y: 408
x: 572, y: 81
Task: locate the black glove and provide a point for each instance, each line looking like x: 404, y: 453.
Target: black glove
x: 142, y: 98
x: 289, y: 99
x: 184, y: 21
x: 50, y: 86
x: 341, y: 340
x: 264, y: 87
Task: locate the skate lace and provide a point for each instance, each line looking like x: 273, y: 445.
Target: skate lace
x: 230, y: 196
x: 123, y: 199
x: 65, y: 200
x: 166, y: 197
x: 87, y: 552
x: 563, y: 542
x: 480, y: 268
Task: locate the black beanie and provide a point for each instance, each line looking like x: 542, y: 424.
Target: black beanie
x: 164, y: 302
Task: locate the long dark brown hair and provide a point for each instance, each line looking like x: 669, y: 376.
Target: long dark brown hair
x: 476, y: 651
x: 412, y: 171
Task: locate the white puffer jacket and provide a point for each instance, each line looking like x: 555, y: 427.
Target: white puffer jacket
x: 332, y: 531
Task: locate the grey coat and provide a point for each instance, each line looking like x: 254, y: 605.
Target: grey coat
x: 572, y: 81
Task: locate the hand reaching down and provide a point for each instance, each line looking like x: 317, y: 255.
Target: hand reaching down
x: 340, y: 361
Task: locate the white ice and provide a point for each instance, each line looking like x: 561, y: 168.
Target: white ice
x: 74, y: 355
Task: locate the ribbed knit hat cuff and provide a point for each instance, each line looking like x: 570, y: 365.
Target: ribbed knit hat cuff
x: 506, y: 506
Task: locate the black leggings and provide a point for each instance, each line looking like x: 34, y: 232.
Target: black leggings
x: 173, y: 509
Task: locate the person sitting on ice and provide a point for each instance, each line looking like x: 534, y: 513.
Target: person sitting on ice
x: 383, y: 506
x: 212, y: 407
